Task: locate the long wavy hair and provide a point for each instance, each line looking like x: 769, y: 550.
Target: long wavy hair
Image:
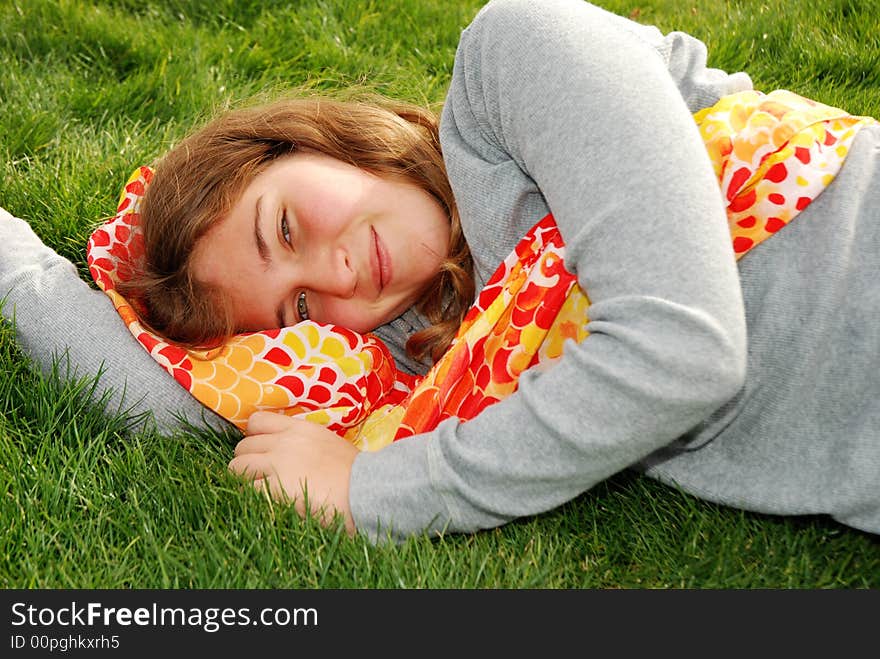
x: 198, y: 181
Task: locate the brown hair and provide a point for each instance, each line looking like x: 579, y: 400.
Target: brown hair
x: 200, y: 179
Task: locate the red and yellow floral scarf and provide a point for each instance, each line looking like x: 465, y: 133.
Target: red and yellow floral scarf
x: 772, y: 153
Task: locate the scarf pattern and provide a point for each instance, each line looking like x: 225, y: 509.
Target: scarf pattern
x: 772, y: 154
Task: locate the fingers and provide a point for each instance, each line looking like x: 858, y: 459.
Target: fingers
x: 268, y: 422
x: 276, y: 490
x: 256, y: 444
x: 262, y: 432
x: 261, y: 471
x: 253, y: 466
x: 273, y: 487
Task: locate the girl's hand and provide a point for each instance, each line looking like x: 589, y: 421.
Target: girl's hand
x: 289, y: 457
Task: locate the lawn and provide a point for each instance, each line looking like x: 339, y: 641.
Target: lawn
x: 89, y: 90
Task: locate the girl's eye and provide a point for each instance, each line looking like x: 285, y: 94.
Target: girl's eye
x: 285, y: 228
x: 302, y: 307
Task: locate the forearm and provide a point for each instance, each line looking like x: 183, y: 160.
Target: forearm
x: 57, y: 316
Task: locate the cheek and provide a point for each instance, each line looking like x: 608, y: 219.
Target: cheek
x: 251, y: 316
x: 427, y: 260
x: 364, y: 318
x: 249, y: 299
x: 323, y: 213
x: 434, y: 233
x: 347, y: 314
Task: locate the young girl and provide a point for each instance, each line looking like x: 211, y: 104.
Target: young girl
x: 750, y: 383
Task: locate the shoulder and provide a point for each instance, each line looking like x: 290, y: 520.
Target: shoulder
x: 526, y: 15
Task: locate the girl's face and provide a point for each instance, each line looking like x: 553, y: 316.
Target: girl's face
x: 315, y: 238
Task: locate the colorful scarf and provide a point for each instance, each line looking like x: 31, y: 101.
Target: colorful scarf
x: 773, y: 154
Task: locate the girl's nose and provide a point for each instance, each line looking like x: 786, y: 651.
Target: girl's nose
x: 332, y: 272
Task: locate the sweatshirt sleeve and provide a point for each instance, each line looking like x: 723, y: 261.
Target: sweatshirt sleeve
x: 564, y: 107
x: 60, y: 320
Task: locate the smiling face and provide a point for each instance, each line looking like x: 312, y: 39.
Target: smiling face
x: 314, y: 238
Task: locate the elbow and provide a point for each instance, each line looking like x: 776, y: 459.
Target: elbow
x: 683, y: 359
x: 726, y: 376
x: 507, y: 23
x: 717, y: 364
x: 711, y: 349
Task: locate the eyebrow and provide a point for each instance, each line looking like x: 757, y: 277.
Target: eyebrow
x: 263, y: 250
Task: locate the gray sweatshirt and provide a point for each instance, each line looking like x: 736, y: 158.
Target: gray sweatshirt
x: 560, y: 106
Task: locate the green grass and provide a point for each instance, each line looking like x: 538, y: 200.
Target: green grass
x: 90, y: 90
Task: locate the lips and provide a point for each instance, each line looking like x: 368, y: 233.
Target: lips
x: 380, y: 262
